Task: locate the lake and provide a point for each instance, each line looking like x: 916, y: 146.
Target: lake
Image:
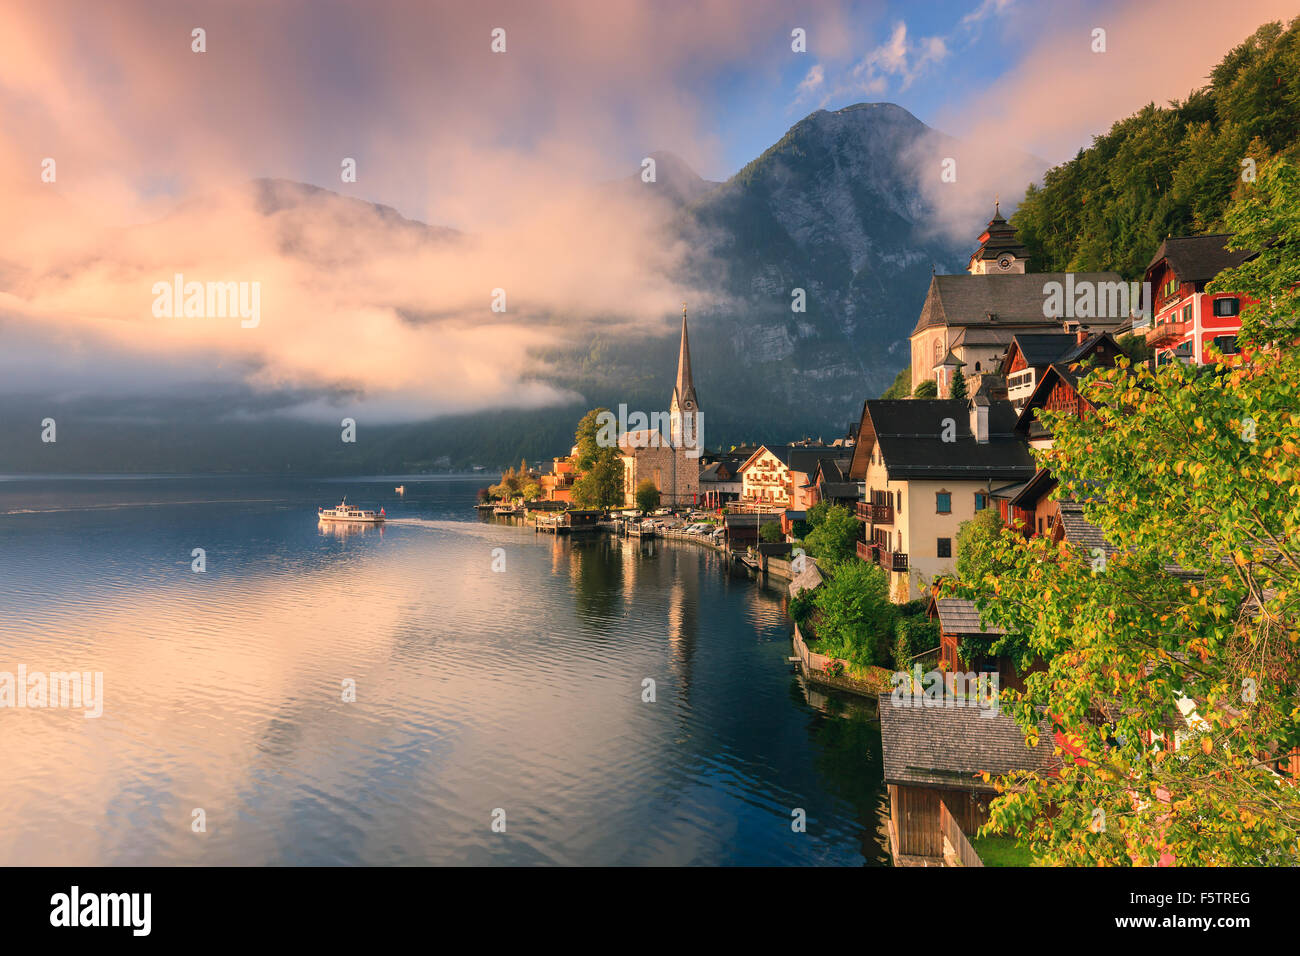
x: 485, y: 700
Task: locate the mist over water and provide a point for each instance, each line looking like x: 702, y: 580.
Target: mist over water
x: 476, y: 690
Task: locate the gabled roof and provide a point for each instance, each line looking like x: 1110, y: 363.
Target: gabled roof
x: 1042, y: 348
x: 947, y: 747
x: 1025, y: 424
x: 960, y: 616
x: 800, y: 458
x: 1199, y: 258
x: 909, y: 433
x: 998, y: 300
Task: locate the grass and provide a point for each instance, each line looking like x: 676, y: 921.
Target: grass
x: 1001, y: 851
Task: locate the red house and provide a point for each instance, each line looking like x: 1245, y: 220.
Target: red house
x: 1186, y: 318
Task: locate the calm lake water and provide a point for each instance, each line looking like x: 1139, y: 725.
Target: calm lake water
x: 476, y: 690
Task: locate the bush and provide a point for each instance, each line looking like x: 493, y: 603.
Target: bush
x: 926, y: 389
x: 835, y: 537
x: 770, y: 533
x: 855, y: 619
x: 913, y: 636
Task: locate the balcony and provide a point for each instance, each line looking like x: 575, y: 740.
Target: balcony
x: 876, y: 554
x: 874, y: 514
x: 893, y: 560
x: 1167, y: 333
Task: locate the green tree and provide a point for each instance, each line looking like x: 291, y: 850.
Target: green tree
x: 647, y: 495
x: 834, y: 538
x: 586, y: 438
x: 1200, y: 605
x: 927, y: 388
x: 854, y: 617
x: 770, y: 533
x: 601, y: 485
x: 975, y: 539
x: 957, y: 387
x: 902, y: 386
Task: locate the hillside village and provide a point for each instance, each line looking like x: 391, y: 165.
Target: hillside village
x: 929, y: 478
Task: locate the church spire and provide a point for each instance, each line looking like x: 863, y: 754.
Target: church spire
x: 684, y: 390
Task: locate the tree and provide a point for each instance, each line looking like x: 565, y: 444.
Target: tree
x: 770, y: 532
x: 601, y: 485
x: 834, y: 538
x: 586, y: 439
x: 927, y: 388
x: 1136, y: 348
x: 530, y: 491
x: 854, y: 617
x: 1191, y: 474
x: 957, y: 387
x: 902, y: 386
x: 647, y: 495
x: 975, y: 539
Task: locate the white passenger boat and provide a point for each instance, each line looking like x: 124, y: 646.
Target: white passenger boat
x: 347, y: 512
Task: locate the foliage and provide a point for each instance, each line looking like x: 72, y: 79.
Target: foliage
x: 902, y: 385
x: 647, y: 495
x: 530, y: 490
x: 817, y: 513
x: 1198, y: 468
x: 957, y: 387
x: 853, y: 614
x: 974, y: 540
x: 913, y: 636
x: 800, y: 606
x: 835, y: 536
x: 585, y: 439
x: 800, y: 528
x: 1135, y: 347
x: 927, y: 388
x: 770, y: 532
x: 1168, y: 170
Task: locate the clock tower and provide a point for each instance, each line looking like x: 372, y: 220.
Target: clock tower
x: 1000, y: 252
x: 684, y: 411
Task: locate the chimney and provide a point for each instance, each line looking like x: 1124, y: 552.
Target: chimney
x: 1082, y: 335
x: 979, y: 418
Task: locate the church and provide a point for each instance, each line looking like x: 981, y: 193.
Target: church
x: 672, y: 462
x: 969, y: 320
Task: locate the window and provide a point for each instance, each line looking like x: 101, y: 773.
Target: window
x: 1227, y: 344
x: 1227, y: 307
x: 1187, y: 312
x: 977, y: 366
x: 943, y: 503
x: 981, y: 501
x: 945, y: 547
x: 1040, y: 526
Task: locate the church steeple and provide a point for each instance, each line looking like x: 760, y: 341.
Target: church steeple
x: 685, y: 408
x: 684, y: 391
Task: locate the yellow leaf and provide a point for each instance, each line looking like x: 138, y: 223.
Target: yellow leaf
x: 1207, y: 745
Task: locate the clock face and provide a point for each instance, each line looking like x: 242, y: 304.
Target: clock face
x: 688, y: 404
x: 1004, y: 261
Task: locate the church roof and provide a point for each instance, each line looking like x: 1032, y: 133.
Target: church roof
x: 684, y: 390
x: 999, y: 301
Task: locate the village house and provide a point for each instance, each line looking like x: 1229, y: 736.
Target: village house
x: 1185, y: 317
x: 720, y: 481
x: 557, y: 479
x: 934, y: 760
x: 1031, y: 354
x: 926, y: 466
x: 969, y: 320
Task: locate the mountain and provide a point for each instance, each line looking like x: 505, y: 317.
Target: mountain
x: 835, y: 209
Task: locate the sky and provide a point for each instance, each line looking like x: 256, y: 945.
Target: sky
x: 154, y: 144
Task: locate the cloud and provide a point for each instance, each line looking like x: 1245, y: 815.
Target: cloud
x: 155, y: 147
x: 898, y: 59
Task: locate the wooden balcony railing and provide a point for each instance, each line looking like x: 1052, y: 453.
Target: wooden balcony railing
x: 1167, y: 332
x: 866, y: 551
x: 893, y: 560
x: 873, y: 513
